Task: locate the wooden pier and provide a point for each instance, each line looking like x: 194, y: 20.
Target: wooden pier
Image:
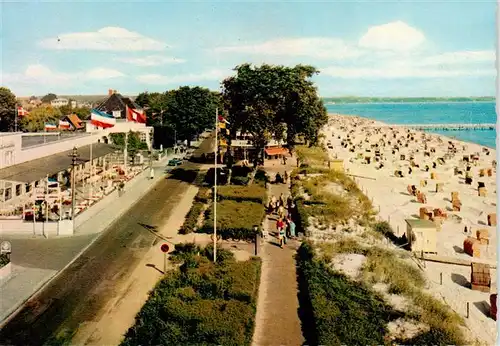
x: 443, y: 127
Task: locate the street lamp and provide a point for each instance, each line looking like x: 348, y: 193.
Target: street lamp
x: 74, y: 155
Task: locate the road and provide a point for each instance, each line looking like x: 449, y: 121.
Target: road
x: 79, y: 292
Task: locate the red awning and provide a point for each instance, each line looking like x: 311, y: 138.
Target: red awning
x: 276, y: 151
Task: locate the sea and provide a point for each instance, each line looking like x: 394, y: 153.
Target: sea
x: 430, y: 113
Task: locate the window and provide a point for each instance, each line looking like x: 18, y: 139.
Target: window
x: 18, y: 190
x: 28, y: 187
x: 8, y: 193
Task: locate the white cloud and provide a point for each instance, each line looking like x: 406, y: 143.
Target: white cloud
x: 103, y: 73
x: 152, y: 60
x: 396, y: 36
x: 317, y: 47
x: 105, y: 39
x: 402, y: 71
x: 465, y: 57
x: 42, y: 75
x: 187, y: 78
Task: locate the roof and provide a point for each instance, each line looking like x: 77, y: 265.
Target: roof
x: 116, y: 102
x: 276, y: 151
x: 419, y: 223
x: 28, y: 172
x: 75, y: 121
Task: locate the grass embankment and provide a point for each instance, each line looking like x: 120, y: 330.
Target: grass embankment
x: 201, y: 303
x: 384, y: 266
x: 345, y: 310
x: 239, y: 209
x: 332, y: 197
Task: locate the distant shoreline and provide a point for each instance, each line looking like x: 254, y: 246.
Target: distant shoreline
x: 396, y: 100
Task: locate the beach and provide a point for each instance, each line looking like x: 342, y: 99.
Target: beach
x: 390, y: 164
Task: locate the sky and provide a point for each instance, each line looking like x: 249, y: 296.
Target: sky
x: 372, y: 48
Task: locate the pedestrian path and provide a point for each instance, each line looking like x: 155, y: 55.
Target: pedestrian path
x: 277, y: 320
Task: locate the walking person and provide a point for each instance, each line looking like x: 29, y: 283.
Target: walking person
x: 281, y: 211
x: 281, y: 232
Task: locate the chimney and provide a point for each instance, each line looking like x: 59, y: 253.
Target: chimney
x: 110, y: 92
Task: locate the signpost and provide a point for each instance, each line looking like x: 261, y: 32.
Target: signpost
x: 164, y: 248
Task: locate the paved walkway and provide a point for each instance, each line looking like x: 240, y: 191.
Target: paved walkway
x: 36, y: 261
x: 277, y: 320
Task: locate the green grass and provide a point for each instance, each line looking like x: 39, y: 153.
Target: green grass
x: 202, y: 303
x: 235, y: 219
x: 253, y: 193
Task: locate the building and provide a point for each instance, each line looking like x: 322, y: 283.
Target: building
x: 117, y: 105
x: 421, y: 235
x: 75, y: 123
x: 59, y: 102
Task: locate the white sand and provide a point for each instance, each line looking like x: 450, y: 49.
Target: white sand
x: 389, y: 195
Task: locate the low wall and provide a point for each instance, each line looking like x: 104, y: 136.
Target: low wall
x: 5, y: 271
x: 20, y: 227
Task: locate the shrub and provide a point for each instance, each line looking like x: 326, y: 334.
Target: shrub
x: 240, y: 180
x: 191, y: 222
x: 235, y: 220
x: 4, y: 260
x: 301, y: 217
x: 344, y: 311
x: 252, y: 193
x: 222, y: 176
x: 203, y: 195
x: 240, y: 171
x: 203, y: 304
x: 260, y: 177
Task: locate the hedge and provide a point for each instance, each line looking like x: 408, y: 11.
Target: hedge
x: 203, y: 195
x: 240, y: 180
x: 344, y: 312
x: 201, y: 304
x: 253, y: 193
x: 191, y: 222
x: 235, y: 220
x: 260, y: 177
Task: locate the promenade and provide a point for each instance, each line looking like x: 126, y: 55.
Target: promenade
x: 36, y: 261
x: 277, y: 321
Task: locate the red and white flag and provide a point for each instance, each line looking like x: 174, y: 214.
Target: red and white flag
x: 136, y: 115
x: 223, y: 120
x: 21, y: 111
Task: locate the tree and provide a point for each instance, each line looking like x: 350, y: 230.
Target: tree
x: 134, y: 144
x: 190, y: 111
x: 38, y: 117
x: 82, y: 112
x: 262, y: 100
x: 49, y: 98
x: 7, y: 109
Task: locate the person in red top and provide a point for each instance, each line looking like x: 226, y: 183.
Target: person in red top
x: 280, y: 226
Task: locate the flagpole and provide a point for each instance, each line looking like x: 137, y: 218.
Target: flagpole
x: 91, y: 169
x: 215, y: 181
x: 16, y: 114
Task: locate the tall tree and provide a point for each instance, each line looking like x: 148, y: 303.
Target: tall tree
x: 191, y: 110
x: 7, y: 109
x: 49, y: 98
x: 269, y: 101
x: 36, y: 119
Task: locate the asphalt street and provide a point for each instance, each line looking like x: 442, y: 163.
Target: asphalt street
x: 83, y: 289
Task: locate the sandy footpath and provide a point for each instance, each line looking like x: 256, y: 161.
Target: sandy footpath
x: 355, y: 138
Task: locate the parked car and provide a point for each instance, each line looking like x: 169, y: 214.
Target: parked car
x: 174, y: 162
